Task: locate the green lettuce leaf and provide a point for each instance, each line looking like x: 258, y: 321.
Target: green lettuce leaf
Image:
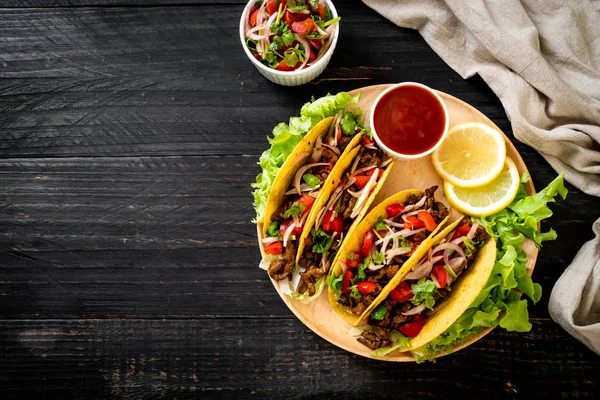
x: 286, y: 137
x: 500, y: 303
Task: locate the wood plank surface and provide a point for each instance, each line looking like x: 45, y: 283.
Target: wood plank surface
x: 276, y: 359
x: 129, y: 138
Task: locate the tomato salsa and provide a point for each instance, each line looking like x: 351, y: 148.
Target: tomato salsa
x: 409, y: 120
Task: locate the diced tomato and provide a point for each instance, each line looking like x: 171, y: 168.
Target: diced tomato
x: 312, y: 56
x: 393, y: 210
x: 371, y: 171
x: 462, y: 231
x: 285, y: 224
x: 288, y: 18
x: 346, y: 282
x: 440, y: 275
x: 413, y: 222
x: 272, y: 6
x: 301, y: 17
x: 274, y: 248
x: 413, y: 328
x: 304, y: 28
x: 354, y: 262
x: 337, y: 225
x: 338, y: 133
x: 343, y: 181
x: 366, y: 140
x: 316, y: 43
x: 307, y: 201
x: 361, y: 181
x: 256, y: 55
x: 284, y: 67
x: 367, y: 243
x: 428, y: 220
x: 401, y: 293
x: 366, y: 287
x: 253, y: 17
x: 322, y: 10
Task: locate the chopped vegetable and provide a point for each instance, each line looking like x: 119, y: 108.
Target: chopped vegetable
x: 424, y: 290
x: 366, y: 287
x: 413, y: 328
x: 274, y: 248
x: 346, y: 282
x: 367, y: 243
x: 402, y: 293
x: 273, y: 229
x: 393, y: 210
x: 440, y: 275
x: 311, y: 180
x: 379, y: 312
x: 414, y: 222
x: 428, y: 220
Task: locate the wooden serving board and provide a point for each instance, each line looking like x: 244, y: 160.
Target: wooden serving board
x: 406, y: 174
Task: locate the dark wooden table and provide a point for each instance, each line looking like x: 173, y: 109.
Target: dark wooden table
x: 129, y: 136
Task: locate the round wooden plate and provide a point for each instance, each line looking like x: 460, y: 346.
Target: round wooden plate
x: 410, y: 174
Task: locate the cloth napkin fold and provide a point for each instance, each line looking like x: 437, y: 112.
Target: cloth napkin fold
x: 542, y: 59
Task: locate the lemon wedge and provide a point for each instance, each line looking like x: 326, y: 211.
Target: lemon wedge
x: 487, y: 199
x: 471, y: 155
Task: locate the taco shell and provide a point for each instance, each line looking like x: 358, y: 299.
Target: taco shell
x: 354, y: 241
x: 464, y: 292
x: 291, y: 165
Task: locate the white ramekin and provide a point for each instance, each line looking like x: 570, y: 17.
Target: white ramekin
x: 394, y: 154
x: 290, y: 78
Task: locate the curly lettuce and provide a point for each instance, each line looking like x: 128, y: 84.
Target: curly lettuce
x: 287, y: 136
x: 500, y: 302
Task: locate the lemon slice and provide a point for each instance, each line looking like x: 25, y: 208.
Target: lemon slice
x: 487, y: 199
x: 472, y: 155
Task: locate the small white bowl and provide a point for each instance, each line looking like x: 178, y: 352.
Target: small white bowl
x: 290, y: 78
x: 391, y: 152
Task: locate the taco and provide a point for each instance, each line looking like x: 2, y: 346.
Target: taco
x: 343, y: 199
x: 350, y: 192
x: 422, y: 301
x: 389, y: 239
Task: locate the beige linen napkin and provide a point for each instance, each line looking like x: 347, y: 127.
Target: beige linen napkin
x: 542, y: 59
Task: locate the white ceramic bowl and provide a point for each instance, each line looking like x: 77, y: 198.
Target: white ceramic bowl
x: 290, y: 78
x: 409, y: 156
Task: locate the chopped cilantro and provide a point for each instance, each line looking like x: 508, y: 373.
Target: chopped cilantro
x: 348, y: 123
x: 335, y: 282
x: 403, y: 242
x: 381, y: 226
x: 351, y: 256
x: 322, y: 241
x: 251, y: 44
x: 379, y: 258
x: 273, y: 229
x: 355, y: 293
x: 270, y: 60
x: 361, y: 274
x: 294, y: 210
x: 423, y: 291
x: 294, y: 55
x: 311, y: 180
x: 379, y: 313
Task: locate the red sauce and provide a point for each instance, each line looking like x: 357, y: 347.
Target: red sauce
x: 409, y: 120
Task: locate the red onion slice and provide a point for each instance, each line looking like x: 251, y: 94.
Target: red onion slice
x: 365, y: 194
x: 317, y: 151
x: 304, y: 43
x: 415, y: 310
x: 269, y: 240
x: 373, y: 267
x: 364, y: 169
x: 332, y: 148
x: 297, y: 11
x: 301, y: 172
x: 473, y: 230
x: 343, y: 265
x: 287, y: 233
x: 350, y: 183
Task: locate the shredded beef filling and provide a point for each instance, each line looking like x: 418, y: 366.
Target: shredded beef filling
x: 282, y: 268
